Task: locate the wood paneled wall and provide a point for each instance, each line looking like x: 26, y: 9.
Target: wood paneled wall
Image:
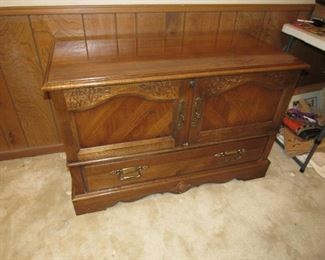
x: 28, y: 125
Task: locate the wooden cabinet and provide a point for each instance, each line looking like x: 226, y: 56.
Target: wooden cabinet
x: 165, y: 123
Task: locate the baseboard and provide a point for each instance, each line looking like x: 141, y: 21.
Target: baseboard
x: 31, y: 151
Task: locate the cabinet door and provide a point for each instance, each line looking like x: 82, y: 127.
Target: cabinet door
x: 127, y: 119
x: 239, y: 106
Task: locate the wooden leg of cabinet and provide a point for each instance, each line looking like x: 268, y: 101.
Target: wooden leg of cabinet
x: 95, y: 201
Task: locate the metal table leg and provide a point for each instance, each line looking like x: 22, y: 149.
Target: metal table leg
x: 317, y: 142
x: 289, y: 45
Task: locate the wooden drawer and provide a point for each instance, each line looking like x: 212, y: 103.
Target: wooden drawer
x: 108, y: 175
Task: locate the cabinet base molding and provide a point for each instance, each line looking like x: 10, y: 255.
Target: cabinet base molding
x: 95, y: 201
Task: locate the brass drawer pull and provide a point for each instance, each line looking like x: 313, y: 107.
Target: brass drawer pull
x: 231, y: 155
x: 130, y: 173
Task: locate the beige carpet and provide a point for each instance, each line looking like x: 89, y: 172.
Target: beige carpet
x: 278, y: 217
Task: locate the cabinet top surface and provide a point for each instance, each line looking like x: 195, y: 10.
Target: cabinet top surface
x: 106, y: 61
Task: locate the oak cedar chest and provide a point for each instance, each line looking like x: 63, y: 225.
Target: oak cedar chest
x: 164, y: 115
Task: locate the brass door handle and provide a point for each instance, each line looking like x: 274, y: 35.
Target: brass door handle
x: 196, y: 112
x: 231, y: 155
x: 181, y: 114
x: 130, y: 173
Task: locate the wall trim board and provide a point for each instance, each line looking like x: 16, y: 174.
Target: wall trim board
x: 152, y: 8
x: 31, y: 151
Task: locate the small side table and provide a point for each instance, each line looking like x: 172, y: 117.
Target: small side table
x: 314, y: 40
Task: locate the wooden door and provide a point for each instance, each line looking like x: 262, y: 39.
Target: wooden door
x: 239, y: 106
x: 126, y: 119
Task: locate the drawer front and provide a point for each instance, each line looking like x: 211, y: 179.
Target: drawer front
x: 115, y: 174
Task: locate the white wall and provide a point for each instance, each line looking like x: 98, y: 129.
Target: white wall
x: 4, y: 3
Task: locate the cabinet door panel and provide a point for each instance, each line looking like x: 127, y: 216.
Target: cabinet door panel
x: 246, y: 104
x: 125, y: 119
x: 240, y: 106
x: 111, y: 119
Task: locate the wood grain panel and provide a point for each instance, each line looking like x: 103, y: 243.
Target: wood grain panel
x: 153, y: 8
x: 114, y: 122
x: 19, y: 63
x: 240, y: 106
x: 10, y: 122
x: 272, y: 27
x: 125, y: 149
x: 174, y: 31
x: 48, y: 27
x: 99, y: 25
x: 150, y: 33
x: 226, y: 30
x: 100, y: 30
x: 126, y: 25
x: 60, y: 26
x: 250, y: 23
x: 126, y: 34
x: 65, y: 51
x: 31, y: 151
x: 3, y: 141
x: 201, y: 23
x: 174, y: 24
x: 151, y: 23
x: 197, y: 24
